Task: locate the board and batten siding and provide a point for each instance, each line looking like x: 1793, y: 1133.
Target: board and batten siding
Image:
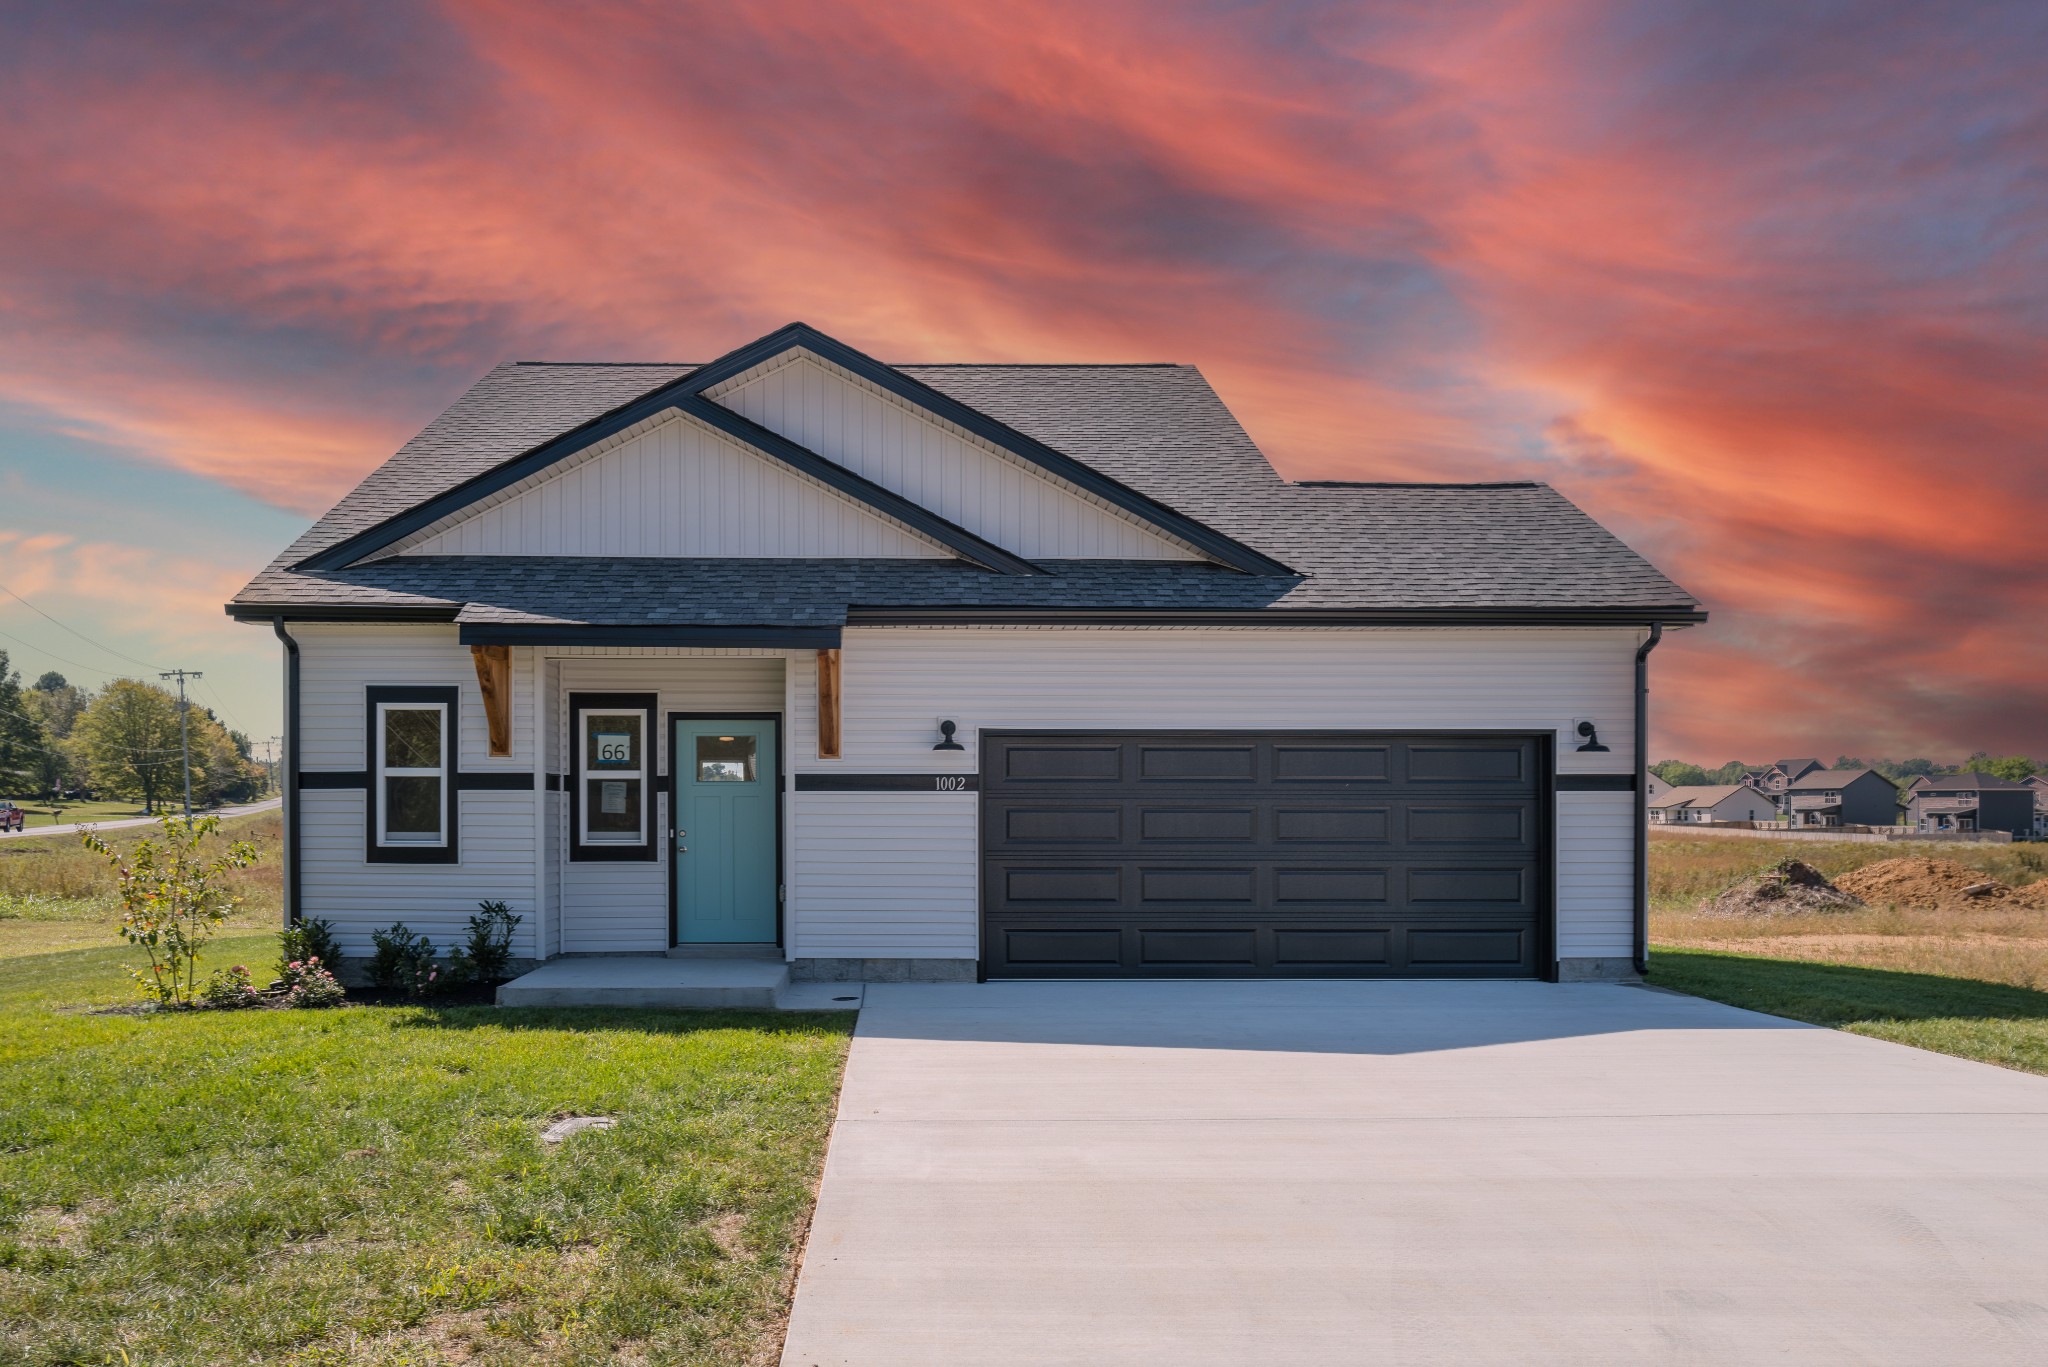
x: 496, y: 831
x: 937, y: 465
x: 622, y: 907
x: 895, y: 874
x: 673, y: 488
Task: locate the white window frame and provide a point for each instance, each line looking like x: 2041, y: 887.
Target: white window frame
x: 385, y: 838
x: 585, y: 773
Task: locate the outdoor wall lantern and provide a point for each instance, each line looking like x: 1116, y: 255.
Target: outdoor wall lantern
x: 1592, y: 735
x: 946, y: 741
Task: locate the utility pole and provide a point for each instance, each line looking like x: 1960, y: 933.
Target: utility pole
x: 184, y: 729
x: 276, y: 754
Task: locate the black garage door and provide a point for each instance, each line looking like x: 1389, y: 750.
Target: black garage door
x: 1268, y: 854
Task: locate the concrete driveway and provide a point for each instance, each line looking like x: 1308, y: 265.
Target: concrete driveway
x: 1406, y: 1173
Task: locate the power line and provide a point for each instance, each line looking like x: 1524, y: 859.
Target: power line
x: 74, y: 631
x: 90, y: 669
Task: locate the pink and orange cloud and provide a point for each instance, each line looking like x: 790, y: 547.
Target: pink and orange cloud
x: 1758, y: 284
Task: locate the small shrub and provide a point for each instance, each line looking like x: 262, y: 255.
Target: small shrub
x: 312, y: 938
x: 171, y: 900
x: 308, y: 985
x: 488, y: 952
x: 230, y: 989
x: 404, y: 962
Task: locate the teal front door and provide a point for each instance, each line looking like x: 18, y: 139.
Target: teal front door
x: 723, y: 834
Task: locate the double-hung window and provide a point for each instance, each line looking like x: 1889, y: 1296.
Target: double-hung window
x: 613, y: 742
x: 412, y: 774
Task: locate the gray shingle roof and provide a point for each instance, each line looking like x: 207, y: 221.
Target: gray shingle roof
x: 1159, y: 429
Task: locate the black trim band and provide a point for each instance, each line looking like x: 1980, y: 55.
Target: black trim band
x: 317, y: 779
x: 1596, y: 783
x: 493, y: 781
x: 573, y: 634
x: 887, y: 783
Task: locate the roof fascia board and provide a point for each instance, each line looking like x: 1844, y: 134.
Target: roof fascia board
x: 1275, y: 617
x: 573, y: 634
x: 303, y: 612
x: 1206, y: 539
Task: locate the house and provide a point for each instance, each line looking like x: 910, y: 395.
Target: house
x: 937, y: 672
x: 1654, y: 787
x: 1698, y: 805
x: 2039, y: 783
x: 1776, y: 778
x: 1842, y: 797
x: 1971, y: 802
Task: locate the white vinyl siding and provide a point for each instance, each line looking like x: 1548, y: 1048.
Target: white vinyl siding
x: 933, y: 463
x: 495, y: 835
x: 921, y: 899
x: 672, y: 488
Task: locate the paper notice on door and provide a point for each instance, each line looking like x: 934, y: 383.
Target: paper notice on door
x: 611, y: 798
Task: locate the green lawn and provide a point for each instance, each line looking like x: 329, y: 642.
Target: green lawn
x: 1992, y: 1022
x: 367, y: 1186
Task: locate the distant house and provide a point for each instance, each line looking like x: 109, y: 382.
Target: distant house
x: 2039, y: 783
x: 1972, y: 802
x: 1841, y: 797
x: 1704, y: 805
x: 1776, y: 778
x: 1654, y: 786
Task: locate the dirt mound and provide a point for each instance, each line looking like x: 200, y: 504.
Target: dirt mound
x: 1922, y: 883
x: 1787, y: 889
x: 2033, y: 895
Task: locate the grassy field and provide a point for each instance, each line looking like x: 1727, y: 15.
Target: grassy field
x: 56, y: 894
x: 367, y: 1185
x: 1990, y: 941
x: 57, y: 814
x: 1968, y: 979
x: 1988, y: 1021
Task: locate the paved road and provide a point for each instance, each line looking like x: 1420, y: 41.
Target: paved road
x: 73, y: 828
x: 1413, y: 1173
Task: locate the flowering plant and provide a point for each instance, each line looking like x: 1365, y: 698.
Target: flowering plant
x: 171, y: 903
x: 230, y: 988
x: 308, y: 984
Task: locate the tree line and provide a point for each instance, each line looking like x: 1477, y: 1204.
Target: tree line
x: 120, y: 741
x: 1681, y: 774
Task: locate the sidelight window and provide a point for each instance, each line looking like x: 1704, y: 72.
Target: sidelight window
x: 613, y: 777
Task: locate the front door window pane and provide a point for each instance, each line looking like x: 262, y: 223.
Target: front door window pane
x: 725, y: 759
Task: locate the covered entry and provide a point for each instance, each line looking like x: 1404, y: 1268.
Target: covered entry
x: 1264, y: 854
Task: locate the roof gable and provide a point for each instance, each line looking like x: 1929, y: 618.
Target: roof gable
x: 908, y: 448
x: 686, y: 394
x: 671, y: 487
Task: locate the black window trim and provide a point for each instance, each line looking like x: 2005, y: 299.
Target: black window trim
x: 654, y: 781
x: 449, y: 697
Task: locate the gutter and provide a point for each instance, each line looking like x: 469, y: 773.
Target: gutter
x: 1642, y: 871
x: 292, y: 897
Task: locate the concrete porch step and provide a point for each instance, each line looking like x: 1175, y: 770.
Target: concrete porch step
x: 741, y: 984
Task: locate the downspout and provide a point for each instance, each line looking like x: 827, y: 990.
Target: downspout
x: 1642, y: 883
x: 291, y: 771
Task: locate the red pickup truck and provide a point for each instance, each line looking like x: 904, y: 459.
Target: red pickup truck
x: 12, y: 818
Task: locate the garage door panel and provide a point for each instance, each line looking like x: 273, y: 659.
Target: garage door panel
x: 1207, y: 824
x: 1203, y: 764
x: 1469, y: 823
x: 1470, y: 763
x: 1341, y: 825
x: 1263, y: 854
x: 1194, y: 883
x: 1331, y: 763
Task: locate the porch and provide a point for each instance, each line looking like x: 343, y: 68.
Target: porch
x: 650, y: 980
